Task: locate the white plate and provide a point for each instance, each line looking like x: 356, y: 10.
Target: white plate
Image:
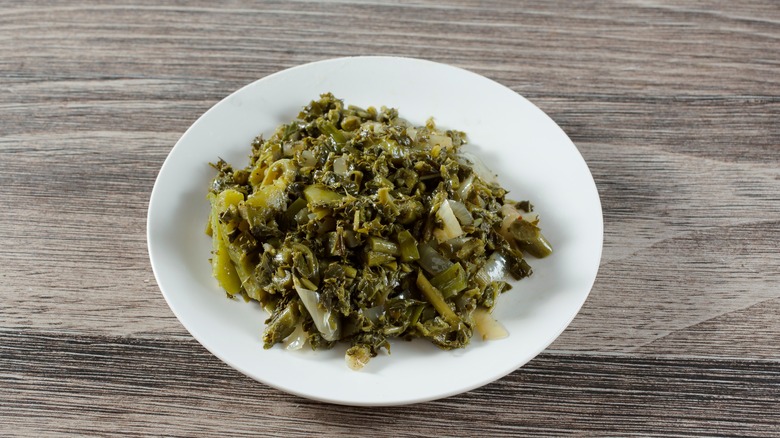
x: 533, y: 157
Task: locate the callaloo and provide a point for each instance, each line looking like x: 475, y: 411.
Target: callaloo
x: 353, y: 225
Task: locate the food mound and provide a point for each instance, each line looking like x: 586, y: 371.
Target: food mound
x: 353, y: 225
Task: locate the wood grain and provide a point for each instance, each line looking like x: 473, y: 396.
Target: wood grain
x: 123, y: 392
x: 674, y: 105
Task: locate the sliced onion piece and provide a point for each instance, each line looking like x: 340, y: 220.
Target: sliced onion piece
x: 431, y: 260
x: 340, y: 166
x: 307, y: 158
x: 478, y: 166
x: 287, y: 149
x: 411, y: 132
x: 357, y: 357
x: 375, y: 127
x: 440, y: 140
x: 458, y: 242
x: 487, y: 326
x: 374, y: 313
x: 465, y: 187
x: 451, y: 226
x: 493, y: 270
x: 326, y: 322
x: 510, y: 214
x: 461, y: 212
x: 296, y: 340
x: 509, y: 210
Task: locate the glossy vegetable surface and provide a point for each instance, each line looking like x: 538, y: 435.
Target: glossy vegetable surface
x: 352, y: 225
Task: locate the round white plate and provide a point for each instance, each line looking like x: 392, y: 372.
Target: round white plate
x: 533, y: 157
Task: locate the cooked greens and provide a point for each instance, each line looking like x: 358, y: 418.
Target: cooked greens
x: 352, y: 225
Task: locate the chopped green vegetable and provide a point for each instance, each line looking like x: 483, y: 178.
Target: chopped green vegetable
x: 381, y: 245
x: 408, y: 246
x: 450, y: 281
x: 435, y: 297
x: 222, y: 267
x: 530, y: 239
x: 353, y: 225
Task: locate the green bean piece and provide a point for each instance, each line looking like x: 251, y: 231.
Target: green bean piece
x: 408, y: 247
x: 435, y: 297
x: 382, y: 245
x: 350, y: 123
x: 374, y: 258
x: 239, y: 255
x: 530, y: 239
x: 293, y: 209
x: 337, y: 136
x: 349, y: 271
x: 450, y: 281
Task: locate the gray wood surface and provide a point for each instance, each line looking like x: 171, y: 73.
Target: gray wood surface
x: 674, y: 105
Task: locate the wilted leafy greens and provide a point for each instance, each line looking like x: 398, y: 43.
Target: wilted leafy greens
x: 353, y: 225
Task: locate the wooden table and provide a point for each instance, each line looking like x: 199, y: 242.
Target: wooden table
x: 674, y: 105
